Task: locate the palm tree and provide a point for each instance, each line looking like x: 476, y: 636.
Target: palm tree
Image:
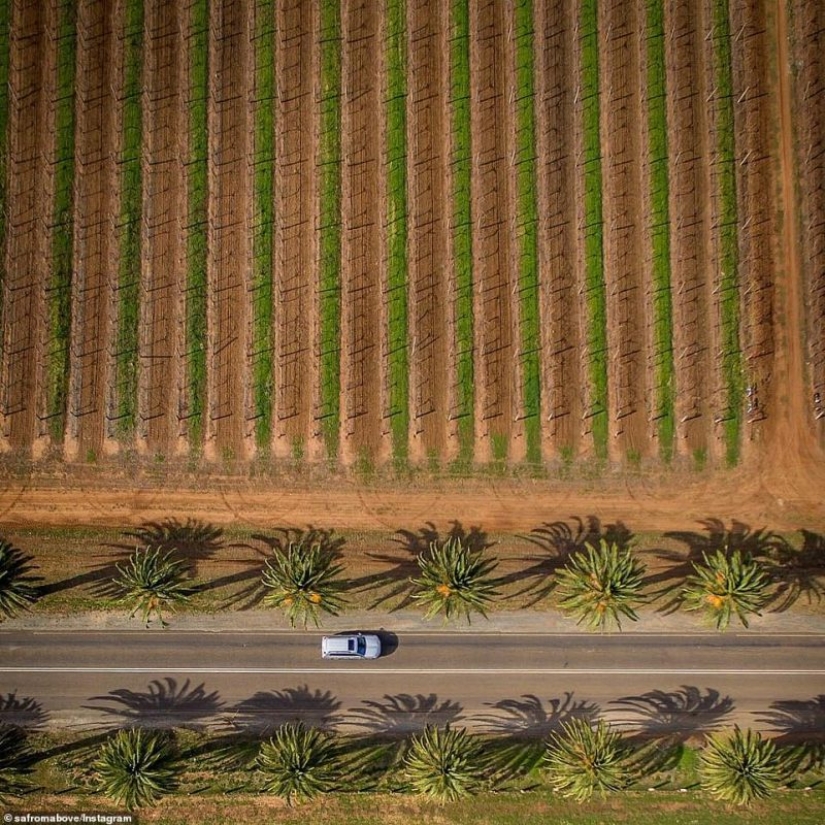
x: 584, y: 759
x: 14, y: 759
x: 740, y: 767
x: 152, y: 581
x: 444, y: 763
x: 16, y: 588
x: 726, y: 584
x: 136, y: 766
x: 455, y: 580
x: 302, y: 581
x: 599, y: 585
x: 299, y: 762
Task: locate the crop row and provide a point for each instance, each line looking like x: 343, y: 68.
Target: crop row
x: 664, y: 388
x: 262, y: 249
x: 5, y: 32
x: 131, y: 206
x: 462, y: 225
x: 396, y: 147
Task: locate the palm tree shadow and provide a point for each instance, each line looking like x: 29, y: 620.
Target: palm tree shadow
x: 799, y: 573
x: 23, y: 712
x: 266, y: 710
x: 396, y: 582
x: 662, y: 722
x: 399, y: 714
x: 164, y: 704
x: 559, y: 540
x: 800, y: 725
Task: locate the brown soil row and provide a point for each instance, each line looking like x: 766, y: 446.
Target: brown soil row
x: 755, y: 190
x: 689, y: 221
x: 230, y: 249
x: 96, y: 197
x: 807, y: 40
x: 362, y: 358
x: 32, y: 78
x: 560, y: 252
x: 495, y: 305
x: 296, y: 240
x: 429, y: 226
x: 163, y: 242
x: 621, y: 138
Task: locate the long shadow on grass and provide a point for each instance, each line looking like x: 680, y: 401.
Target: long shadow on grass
x: 800, y: 727
x: 558, y: 541
x: 799, y: 573
x: 396, y: 581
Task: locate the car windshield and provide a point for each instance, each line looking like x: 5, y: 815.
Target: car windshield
x: 362, y: 645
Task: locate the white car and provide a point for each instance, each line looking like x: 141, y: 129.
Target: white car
x: 351, y: 646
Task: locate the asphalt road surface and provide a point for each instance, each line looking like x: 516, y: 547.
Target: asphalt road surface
x: 508, y: 682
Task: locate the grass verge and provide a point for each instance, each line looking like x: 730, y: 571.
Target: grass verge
x: 59, y: 292
x: 396, y: 148
x: 593, y: 230
x: 462, y: 226
x: 660, y: 228
x: 330, y: 240
x: 728, y: 236
x: 527, y: 220
x: 198, y: 169
x: 131, y: 207
x: 262, y: 343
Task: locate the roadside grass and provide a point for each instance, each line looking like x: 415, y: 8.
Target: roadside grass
x: 59, y: 291
x: 198, y: 171
x: 462, y: 228
x: 664, y: 389
x: 330, y: 224
x: 264, y: 150
x: 396, y: 217
x: 728, y: 236
x: 131, y: 209
x: 5, y: 26
x: 596, y: 302
x: 527, y: 228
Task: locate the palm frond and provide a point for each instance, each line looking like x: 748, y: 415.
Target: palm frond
x: 17, y: 589
x: 303, y: 582
x: 444, y: 763
x: 455, y: 580
x: 601, y: 584
x: 14, y: 762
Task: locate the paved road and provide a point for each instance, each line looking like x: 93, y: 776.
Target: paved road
x: 489, y: 681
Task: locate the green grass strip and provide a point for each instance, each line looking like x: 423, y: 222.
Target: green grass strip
x: 527, y: 219
x: 330, y: 240
x: 728, y: 240
x: 396, y: 146
x: 5, y: 35
x: 59, y: 292
x: 462, y: 225
x: 196, y: 286
x: 664, y: 388
x: 131, y: 205
x: 593, y: 240
x: 262, y: 344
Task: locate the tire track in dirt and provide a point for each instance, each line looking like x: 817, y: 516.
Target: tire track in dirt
x: 30, y: 198
x: 621, y: 129
x: 230, y: 242
x: 430, y: 266
x: 559, y: 250
x: 497, y: 367
x: 363, y: 433
x: 163, y: 274
x: 96, y: 248
x: 296, y: 238
x: 687, y: 135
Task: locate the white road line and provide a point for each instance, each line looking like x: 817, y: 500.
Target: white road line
x: 428, y: 671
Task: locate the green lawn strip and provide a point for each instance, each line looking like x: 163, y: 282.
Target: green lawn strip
x: 664, y: 388
x: 593, y: 241
x: 528, y: 227
x: 396, y: 148
x: 728, y: 241
x: 5, y: 32
x: 330, y: 224
x: 262, y: 344
x: 198, y: 169
x: 59, y: 291
x: 131, y: 206
x: 462, y: 227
